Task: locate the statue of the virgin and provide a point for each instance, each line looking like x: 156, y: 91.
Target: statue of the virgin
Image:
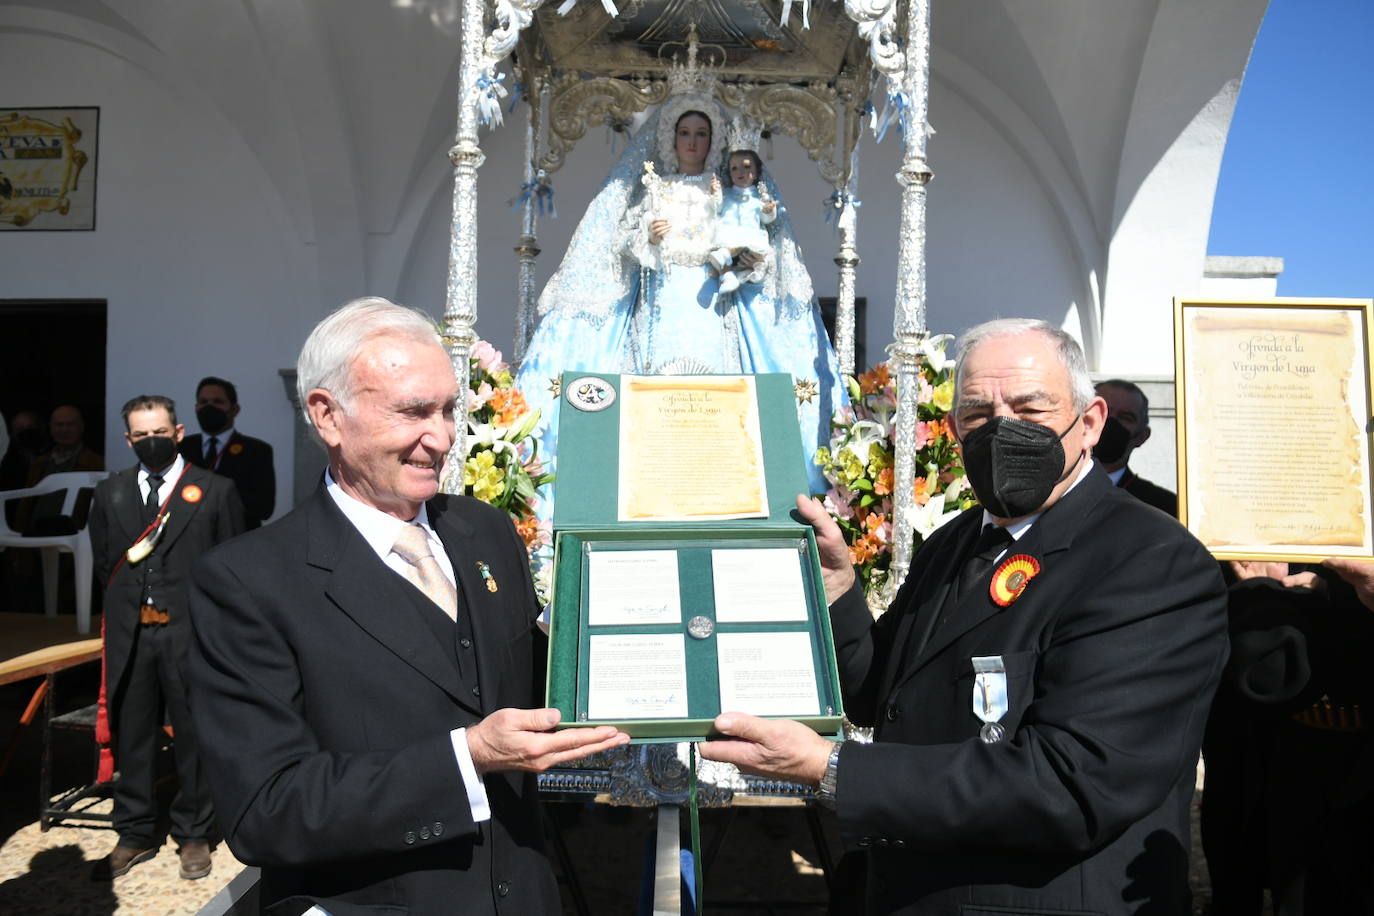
x: 635, y: 292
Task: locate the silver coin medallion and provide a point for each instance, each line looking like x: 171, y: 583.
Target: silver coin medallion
x: 700, y: 627
x: 992, y: 732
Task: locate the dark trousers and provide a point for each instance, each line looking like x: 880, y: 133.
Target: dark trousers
x: 152, y: 680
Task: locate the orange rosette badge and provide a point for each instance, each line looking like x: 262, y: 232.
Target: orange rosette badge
x: 236, y: 448
x: 192, y: 493
x: 1012, y: 577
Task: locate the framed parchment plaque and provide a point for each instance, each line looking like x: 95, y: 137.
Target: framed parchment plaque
x: 1274, y: 427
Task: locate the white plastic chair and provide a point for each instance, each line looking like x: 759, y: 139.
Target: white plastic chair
x: 78, y: 545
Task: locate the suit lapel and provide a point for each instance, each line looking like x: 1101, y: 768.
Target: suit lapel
x: 180, y: 510
x: 1051, y: 535
x: 128, y: 505
x: 227, y: 457
x: 460, y: 544
x: 374, y: 597
x: 913, y: 631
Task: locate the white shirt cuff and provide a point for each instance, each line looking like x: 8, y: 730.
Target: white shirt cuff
x: 476, y: 789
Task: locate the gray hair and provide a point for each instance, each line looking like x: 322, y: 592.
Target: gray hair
x: 1069, y: 352
x: 326, y: 360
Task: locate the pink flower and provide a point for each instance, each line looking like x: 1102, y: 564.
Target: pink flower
x: 925, y: 432
x: 478, y: 399
x: 839, y: 500
x: 488, y: 357
x: 924, y: 393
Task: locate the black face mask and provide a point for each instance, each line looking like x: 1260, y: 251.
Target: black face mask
x: 1013, y: 465
x: 1114, y: 442
x: 155, y: 452
x: 212, y: 419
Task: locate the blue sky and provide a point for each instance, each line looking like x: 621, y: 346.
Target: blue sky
x: 1297, y: 179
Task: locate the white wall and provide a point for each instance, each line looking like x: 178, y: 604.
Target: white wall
x: 201, y: 269
x: 262, y: 162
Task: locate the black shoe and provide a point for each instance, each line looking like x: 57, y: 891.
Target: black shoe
x: 195, y: 860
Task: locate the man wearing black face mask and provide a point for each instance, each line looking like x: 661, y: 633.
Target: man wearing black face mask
x: 149, y: 524
x: 226, y: 451
x: 1039, y: 686
x: 1127, y: 428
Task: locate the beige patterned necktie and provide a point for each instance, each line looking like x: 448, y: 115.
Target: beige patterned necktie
x: 423, y: 571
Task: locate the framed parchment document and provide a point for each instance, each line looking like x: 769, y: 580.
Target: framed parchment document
x: 1274, y: 427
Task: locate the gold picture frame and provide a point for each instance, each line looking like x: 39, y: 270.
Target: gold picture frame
x: 47, y: 168
x: 1274, y: 418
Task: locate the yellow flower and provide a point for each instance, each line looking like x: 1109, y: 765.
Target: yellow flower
x: 482, y: 477
x: 944, y: 395
x: 851, y: 468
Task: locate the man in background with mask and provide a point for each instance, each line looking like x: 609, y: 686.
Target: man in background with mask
x: 149, y: 524
x: 1127, y: 428
x: 1038, y: 688
x: 226, y: 451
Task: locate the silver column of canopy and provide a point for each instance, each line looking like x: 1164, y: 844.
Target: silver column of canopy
x: 851, y: 98
x: 527, y: 247
x: 847, y: 260
x: 460, y: 303
x: 909, y: 320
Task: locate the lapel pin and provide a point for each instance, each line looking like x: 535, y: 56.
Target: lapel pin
x: 1012, y: 577
x: 485, y: 570
x: 191, y: 493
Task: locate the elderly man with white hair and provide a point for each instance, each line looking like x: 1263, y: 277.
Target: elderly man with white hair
x: 1038, y: 688
x: 364, y: 666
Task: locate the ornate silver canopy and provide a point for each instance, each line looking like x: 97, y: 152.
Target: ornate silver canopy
x: 584, y: 63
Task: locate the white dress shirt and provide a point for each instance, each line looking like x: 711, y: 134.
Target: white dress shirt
x: 170, y: 475
x: 221, y: 440
x: 379, y: 530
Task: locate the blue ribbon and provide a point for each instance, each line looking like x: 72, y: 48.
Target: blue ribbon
x: 489, y: 99
x: 542, y: 192
x: 899, y: 107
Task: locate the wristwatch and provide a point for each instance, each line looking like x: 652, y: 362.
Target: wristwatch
x: 825, y: 792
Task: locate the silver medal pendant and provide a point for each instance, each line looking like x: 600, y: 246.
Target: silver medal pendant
x: 990, y: 696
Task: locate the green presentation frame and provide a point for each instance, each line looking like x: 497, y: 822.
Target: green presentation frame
x: 585, y: 522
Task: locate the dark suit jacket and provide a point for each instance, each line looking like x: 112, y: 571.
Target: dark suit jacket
x: 248, y: 463
x: 1112, y: 654
x: 213, y: 514
x: 325, y: 704
x: 1149, y: 493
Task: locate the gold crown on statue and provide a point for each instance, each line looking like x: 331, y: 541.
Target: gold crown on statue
x: 693, y: 77
x: 745, y: 133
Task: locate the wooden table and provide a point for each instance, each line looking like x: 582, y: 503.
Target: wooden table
x: 35, y: 646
